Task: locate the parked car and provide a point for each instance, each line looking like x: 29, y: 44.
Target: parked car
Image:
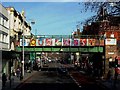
x: 62, y: 70
x: 49, y: 60
x: 45, y: 65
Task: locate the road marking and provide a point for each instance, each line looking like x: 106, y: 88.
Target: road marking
x: 75, y: 81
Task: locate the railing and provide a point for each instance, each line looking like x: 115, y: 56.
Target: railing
x: 63, y: 36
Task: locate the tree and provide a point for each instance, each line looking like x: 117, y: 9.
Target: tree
x: 103, y: 10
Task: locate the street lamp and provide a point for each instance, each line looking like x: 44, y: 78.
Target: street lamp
x: 33, y: 54
x: 22, y: 62
x: 32, y: 22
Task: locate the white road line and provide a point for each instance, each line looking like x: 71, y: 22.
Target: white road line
x: 75, y: 81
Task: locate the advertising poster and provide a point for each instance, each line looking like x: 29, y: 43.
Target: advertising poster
x: 37, y: 42
x: 97, y: 42
x: 53, y: 41
x: 58, y: 42
x: 40, y: 41
x: 21, y: 42
x: 101, y: 42
x: 76, y: 42
x: 83, y: 42
x: 33, y: 42
x: 26, y: 42
x: 48, y: 42
x: 91, y: 42
x: 66, y: 42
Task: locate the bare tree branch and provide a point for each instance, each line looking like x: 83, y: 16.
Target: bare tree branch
x: 112, y: 8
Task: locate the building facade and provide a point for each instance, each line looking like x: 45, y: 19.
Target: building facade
x: 110, y: 29
x: 4, y: 39
x: 12, y: 27
x: 18, y: 27
x: 4, y: 29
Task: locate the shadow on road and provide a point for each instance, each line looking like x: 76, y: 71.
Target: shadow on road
x: 58, y: 85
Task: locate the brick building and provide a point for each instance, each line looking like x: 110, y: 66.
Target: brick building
x: 110, y: 28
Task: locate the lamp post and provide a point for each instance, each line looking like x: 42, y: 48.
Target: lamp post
x: 22, y: 62
x: 32, y: 54
x: 32, y: 22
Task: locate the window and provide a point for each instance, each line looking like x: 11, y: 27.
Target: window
x: 3, y: 22
x: 0, y: 20
x: 7, y: 39
x: 0, y: 36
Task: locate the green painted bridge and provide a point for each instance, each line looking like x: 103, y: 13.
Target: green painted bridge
x: 58, y: 43
x: 60, y: 49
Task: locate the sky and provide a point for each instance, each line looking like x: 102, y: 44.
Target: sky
x: 52, y: 18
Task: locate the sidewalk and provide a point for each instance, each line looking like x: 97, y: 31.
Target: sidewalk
x: 106, y: 83
x: 15, y: 81
x: 68, y: 65
x: 110, y: 84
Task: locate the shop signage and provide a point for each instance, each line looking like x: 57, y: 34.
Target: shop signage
x: 110, y: 42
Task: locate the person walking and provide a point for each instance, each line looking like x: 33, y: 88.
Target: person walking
x: 4, y: 79
x: 110, y: 74
x: 115, y: 76
x: 116, y: 71
x: 18, y: 72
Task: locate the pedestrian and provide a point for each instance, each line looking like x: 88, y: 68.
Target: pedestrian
x: 110, y: 74
x: 4, y: 79
x: 18, y: 72
x: 115, y: 76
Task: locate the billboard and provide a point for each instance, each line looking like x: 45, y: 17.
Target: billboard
x: 40, y: 41
x: 33, y: 42
x: 44, y: 41
x: 91, y: 42
x: 83, y: 42
x: 26, y: 42
x: 58, y: 41
x: 75, y: 42
x: 48, y: 42
x: 66, y: 42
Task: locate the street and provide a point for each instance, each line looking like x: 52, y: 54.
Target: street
x: 45, y: 80
x: 52, y: 80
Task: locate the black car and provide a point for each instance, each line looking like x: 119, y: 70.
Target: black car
x: 62, y: 70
